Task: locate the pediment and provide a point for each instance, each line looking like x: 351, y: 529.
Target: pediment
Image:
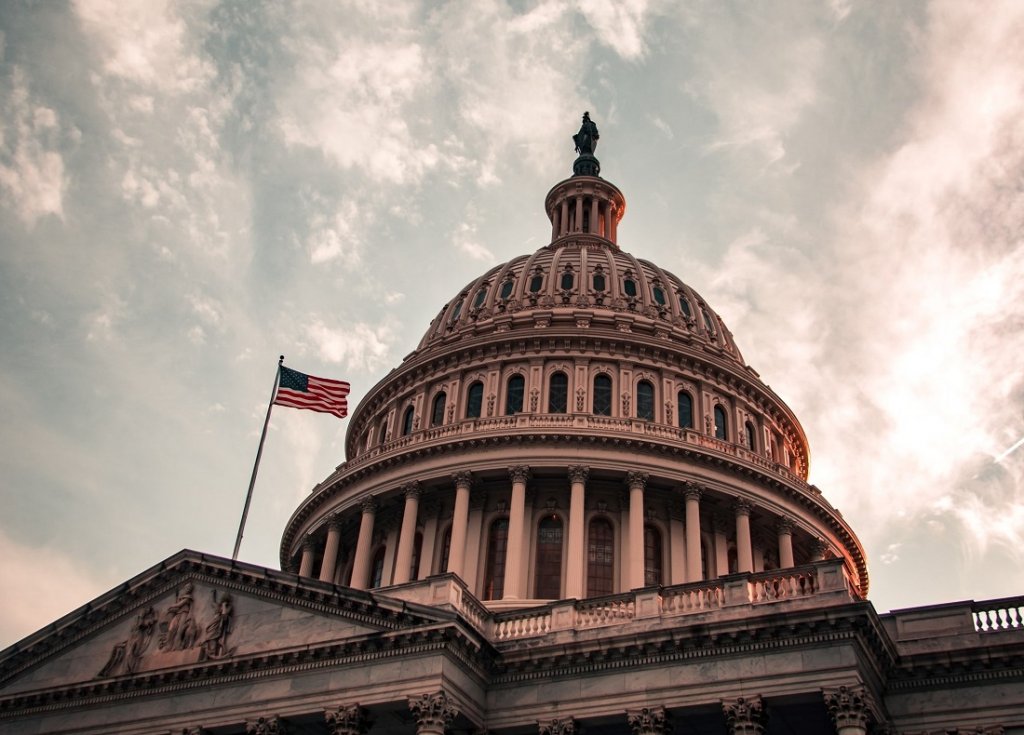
x: 194, y: 610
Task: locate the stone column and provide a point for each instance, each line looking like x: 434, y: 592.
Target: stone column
x: 457, y: 548
x: 306, y: 565
x: 330, y: 562
x: 608, y: 221
x: 554, y: 224
x: 785, y: 530
x: 516, y: 532
x: 848, y: 708
x: 649, y: 721
x: 266, y: 726
x: 745, y: 716
x: 563, y: 225
x: 575, y: 573
x: 593, y: 215
x: 348, y: 719
x: 407, y: 539
x: 636, y: 482
x: 563, y: 726
x: 744, y: 552
x: 433, y: 712
x: 615, y: 229
x: 692, y: 492
x: 579, y: 214
x: 361, y: 563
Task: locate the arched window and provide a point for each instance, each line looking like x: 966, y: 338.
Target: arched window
x: 446, y: 549
x: 382, y: 434
x: 600, y: 557
x: 377, y: 567
x: 407, y: 421
x: 549, y: 559
x: 474, y: 400
x: 514, y: 395
x: 645, y: 400
x: 497, y: 544
x: 721, y: 430
x: 751, y: 437
x: 685, y: 409
x: 652, y: 556
x: 558, y: 393
x: 629, y: 286
x: 414, y: 566
x: 437, y: 410
x: 602, y: 395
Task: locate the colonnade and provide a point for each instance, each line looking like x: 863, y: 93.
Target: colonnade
x: 467, y: 544
x: 434, y: 713
x: 590, y: 213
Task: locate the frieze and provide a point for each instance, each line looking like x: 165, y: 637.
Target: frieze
x: 180, y: 637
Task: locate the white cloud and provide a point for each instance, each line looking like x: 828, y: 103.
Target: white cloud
x: 618, y: 24
x: 466, y: 240
x: 32, y: 177
x: 357, y: 346
x: 334, y: 237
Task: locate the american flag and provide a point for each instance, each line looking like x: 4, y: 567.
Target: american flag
x: 299, y: 390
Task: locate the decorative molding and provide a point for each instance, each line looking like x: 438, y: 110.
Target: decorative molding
x: 369, y: 505
x: 636, y: 479
x: 412, y: 489
x: 267, y: 726
x: 692, y: 491
x: 848, y: 706
x: 742, y: 507
x: 519, y: 473
x: 785, y: 525
x: 463, y: 479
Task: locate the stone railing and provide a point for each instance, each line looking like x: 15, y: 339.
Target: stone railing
x: 826, y: 582
x: 996, y: 615
x: 584, y: 423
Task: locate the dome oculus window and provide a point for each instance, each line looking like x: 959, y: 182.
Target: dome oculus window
x: 506, y: 289
x: 602, y: 395
x: 514, y: 395
x: 456, y: 312
x: 684, y: 305
x: 558, y: 393
x: 474, y: 400
x: 629, y: 287
x: 645, y: 400
x: 481, y: 297
x: 536, y: 283
x: 567, y: 281
x: 659, y: 296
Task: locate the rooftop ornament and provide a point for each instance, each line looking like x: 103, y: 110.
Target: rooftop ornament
x: 586, y: 141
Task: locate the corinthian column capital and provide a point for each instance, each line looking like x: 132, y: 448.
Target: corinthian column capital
x: 369, y: 504
x: 692, y: 491
x: 636, y: 479
x: 412, y: 489
x: 348, y: 719
x: 848, y: 707
x: 578, y: 473
x: 564, y: 726
x: 519, y: 473
x: 266, y: 726
x: 463, y: 479
x: 649, y: 721
x: 745, y: 716
x: 433, y: 712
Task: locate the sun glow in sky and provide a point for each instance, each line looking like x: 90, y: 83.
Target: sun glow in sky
x: 189, y: 189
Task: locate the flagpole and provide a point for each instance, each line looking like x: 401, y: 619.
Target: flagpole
x: 256, y: 465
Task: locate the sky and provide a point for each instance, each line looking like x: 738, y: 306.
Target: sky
x: 190, y: 189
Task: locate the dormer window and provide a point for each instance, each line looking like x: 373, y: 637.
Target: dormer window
x: 629, y: 286
x: 456, y: 312
x: 707, y: 321
x: 684, y: 306
x: 481, y: 297
x: 659, y: 296
x: 506, y: 289
x: 599, y: 284
x: 567, y: 281
x: 536, y: 283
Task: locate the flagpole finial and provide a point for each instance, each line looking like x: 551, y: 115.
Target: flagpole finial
x: 280, y: 360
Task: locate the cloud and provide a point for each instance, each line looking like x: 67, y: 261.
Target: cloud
x: 357, y: 346
x: 55, y: 582
x: 466, y: 240
x: 336, y: 237
x: 33, y: 181
x: 619, y: 24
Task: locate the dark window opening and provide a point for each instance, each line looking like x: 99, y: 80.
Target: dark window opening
x: 446, y: 549
x: 685, y: 306
x: 599, y: 282
x: 382, y: 435
x: 685, y: 410
x: 535, y: 283
x: 567, y: 281
x: 652, y: 556
x: 707, y: 321
x: 720, y: 427
x: 497, y: 545
x: 751, y: 437
x: 629, y: 286
x: 659, y: 296
x: 558, y: 393
x: 456, y: 312
x: 474, y: 400
x: 437, y: 412
x: 603, y: 395
x: 407, y: 421
x: 377, y: 568
x: 514, y: 395
x: 645, y: 400
x: 506, y: 289
x: 481, y: 296
x: 417, y: 548
x: 600, y: 557
x: 549, y: 559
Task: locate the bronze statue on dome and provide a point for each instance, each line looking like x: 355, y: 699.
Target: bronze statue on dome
x: 586, y: 139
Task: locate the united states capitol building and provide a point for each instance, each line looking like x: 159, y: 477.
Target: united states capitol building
x: 574, y: 508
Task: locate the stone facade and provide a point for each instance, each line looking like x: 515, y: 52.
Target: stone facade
x: 573, y: 509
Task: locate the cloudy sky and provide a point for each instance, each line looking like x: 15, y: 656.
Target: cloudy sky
x: 189, y: 189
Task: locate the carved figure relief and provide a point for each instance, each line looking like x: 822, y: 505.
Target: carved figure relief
x: 125, y: 656
x: 176, y: 630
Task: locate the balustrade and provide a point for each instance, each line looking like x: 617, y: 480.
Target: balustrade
x: 996, y: 615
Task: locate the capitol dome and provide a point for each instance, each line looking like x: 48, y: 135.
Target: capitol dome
x: 574, y: 423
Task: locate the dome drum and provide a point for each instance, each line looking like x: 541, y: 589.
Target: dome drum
x: 584, y: 205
